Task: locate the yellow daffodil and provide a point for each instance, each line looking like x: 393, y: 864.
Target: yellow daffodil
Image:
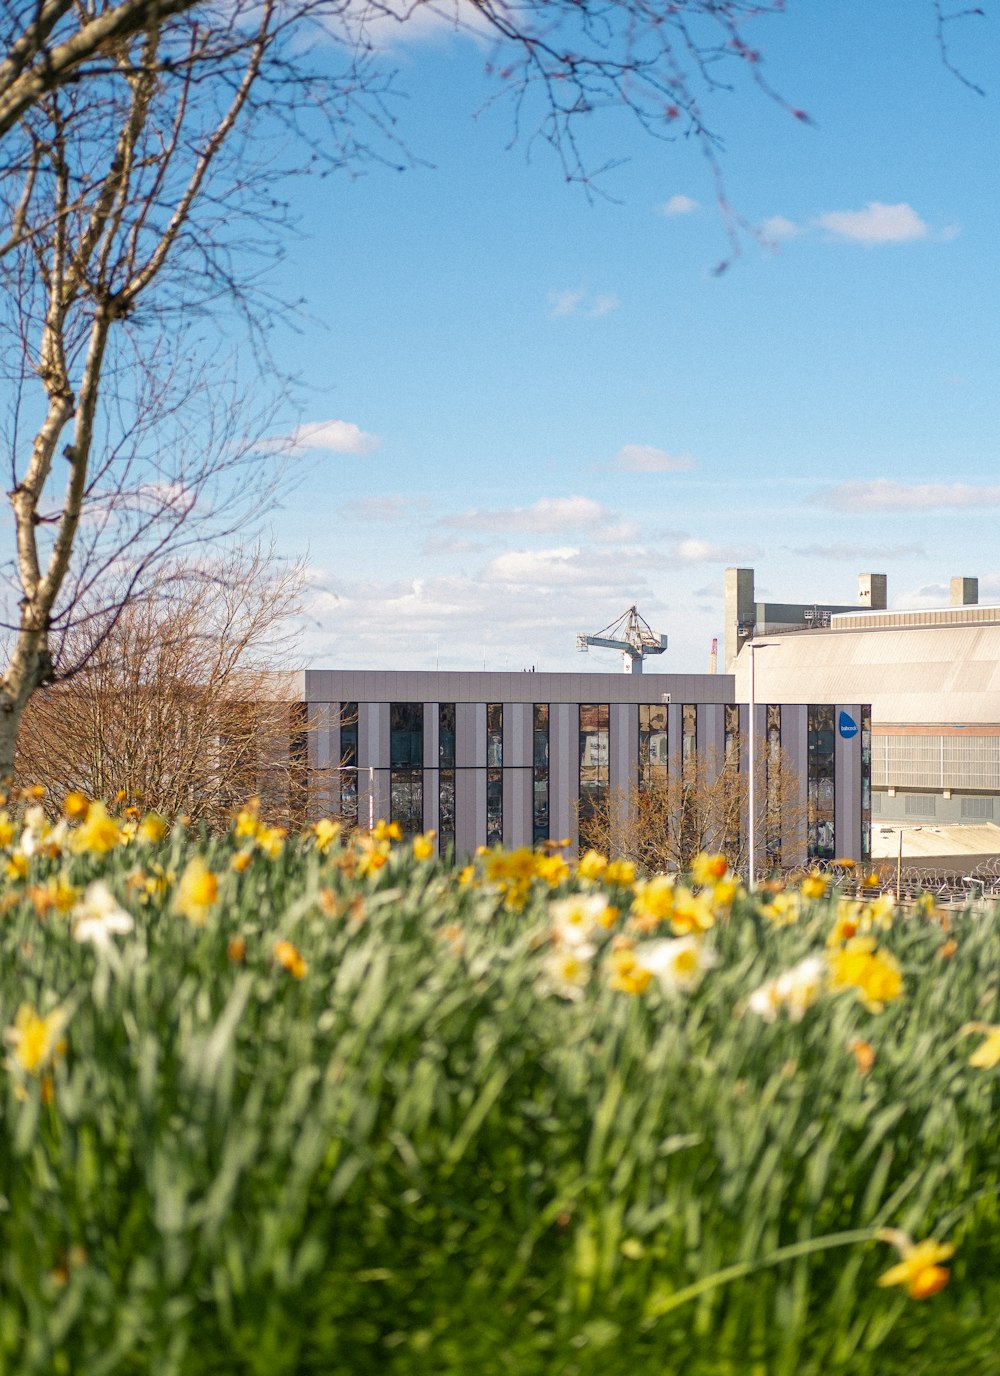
x: 152, y: 828
x: 247, y: 820
x: 98, y: 833
x: 987, y: 1053
x: 708, y: 869
x: 55, y: 895
x: 863, y: 1053
x: 386, y: 831
x: 874, y: 974
x: 782, y: 909
x: 6, y: 830
x: 271, y: 841
x: 17, y: 867
x: 75, y: 805
x: 423, y: 845
x: 591, y: 865
x: 813, y: 886
x: 621, y: 872
x: 325, y: 833
x: 654, y: 898
x: 692, y: 912
x: 290, y: 959
x: 627, y: 974
x: 197, y: 890
x: 920, y: 1269
x: 724, y: 894
x: 34, y: 1040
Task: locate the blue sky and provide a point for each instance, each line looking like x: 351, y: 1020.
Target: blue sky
x: 523, y: 409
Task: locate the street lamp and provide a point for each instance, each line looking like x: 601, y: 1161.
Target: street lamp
x: 887, y: 831
x: 753, y: 646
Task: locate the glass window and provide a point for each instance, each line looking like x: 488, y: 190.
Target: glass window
x: 446, y: 735
x: 446, y: 811
x: 819, y: 787
x: 540, y: 779
x: 689, y: 732
x: 406, y: 735
x: 406, y: 800
x: 494, y: 807
x: 494, y: 733
x: 772, y: 785
x: 653, y: 757
x: 866, y: 783
x: 349, y: 763
x: 594, y: 757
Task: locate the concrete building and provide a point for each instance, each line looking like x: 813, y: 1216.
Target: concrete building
x: 482, y: 758
x: 933, y: 680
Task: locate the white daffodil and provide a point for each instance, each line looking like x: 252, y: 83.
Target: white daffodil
x: 793, y: 991
x: 566, y: 971
x: 579, y: 918
x: 98, y: 916
x: 678, y: 963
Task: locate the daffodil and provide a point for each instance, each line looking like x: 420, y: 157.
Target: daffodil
x: 98, y: 833
x: 679, y: 963
x: 197, y: 889
x: 783, y: 909
x: 620, y: 872
x: 99, y: 916
x: 874, y: 975
x: 35, y: 1041
x: 987, y: 1053
x: 708, y: 869
x: 591, y: 865
x: 325, y: 833
x: 813, y: 886
x: 567, y: 970
x: 152, y: 828
x: 627, y: 974
x: 692, y: 912
x: 423, y: 845
x: 794, y: 991
x: 386, y: 831
x: 75, y: 805
x: 290, y: 959
x: 577, y: 919
x: 653, y: 899
x: 920, y: 1269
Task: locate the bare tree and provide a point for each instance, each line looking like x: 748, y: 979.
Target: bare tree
x: 182, y: 708
x: 701, y: 805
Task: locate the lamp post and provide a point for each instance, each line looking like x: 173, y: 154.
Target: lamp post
x: 887, y: 831
x: 753, y: 646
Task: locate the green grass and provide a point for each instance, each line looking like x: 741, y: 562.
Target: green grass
x: 417, y: 1160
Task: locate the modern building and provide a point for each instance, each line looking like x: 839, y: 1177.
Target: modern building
x: 932, y: 677
x: 518, y: 758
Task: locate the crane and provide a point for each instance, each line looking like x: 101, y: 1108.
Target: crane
x: 630, y: 634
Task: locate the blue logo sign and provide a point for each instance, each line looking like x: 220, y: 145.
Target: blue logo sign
x: 848, y: 726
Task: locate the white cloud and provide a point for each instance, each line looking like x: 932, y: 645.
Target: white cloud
x: 857, y: 553
x: 449, y: 544
x: 692, y: 551
x: 876, y: 224
x: 325, y: 436
x: 547, y: 514
x: 678, y: 205
x: 884, y: 495
x: 777, y: 228
x: 577, y: 301
x: 384, y: 509
x: 646, y: 458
